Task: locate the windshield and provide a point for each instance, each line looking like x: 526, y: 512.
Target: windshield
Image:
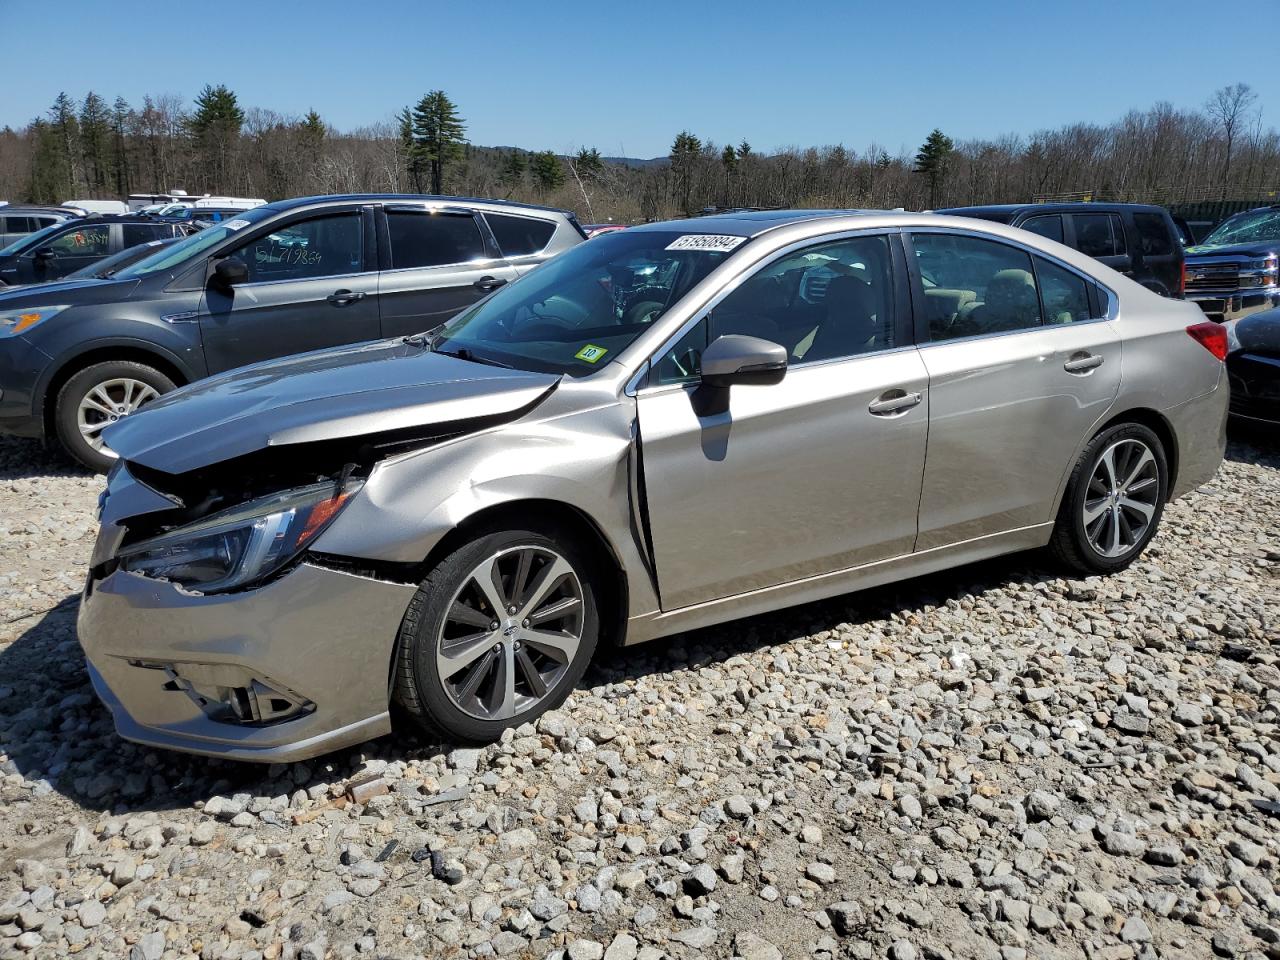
x: 30, y: 238
x: 111, y: 265
x: 580, y: 310
x: 1246, y: 228
x: 169, y: 258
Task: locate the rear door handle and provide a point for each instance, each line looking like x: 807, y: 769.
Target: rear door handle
x: 893, y: 401
x: 340, y: 298
x: 488, y: 283
x: 1083, y: 362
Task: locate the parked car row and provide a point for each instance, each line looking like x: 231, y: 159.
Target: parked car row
x: 68, y: 246
x: 279, y: 279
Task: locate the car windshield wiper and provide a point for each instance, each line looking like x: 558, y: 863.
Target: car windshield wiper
x: 465, y: 353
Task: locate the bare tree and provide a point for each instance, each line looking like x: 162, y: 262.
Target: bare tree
x: 1230, y: 107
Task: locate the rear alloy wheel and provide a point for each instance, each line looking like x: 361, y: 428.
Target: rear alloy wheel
x: 99, y: 396
x: 1114, y: 500
x: 497, y: 634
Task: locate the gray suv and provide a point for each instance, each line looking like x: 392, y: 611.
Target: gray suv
x: 280, y: 279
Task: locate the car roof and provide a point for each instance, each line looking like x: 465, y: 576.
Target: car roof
x: 296, y: 202
x: 751, y: 223
x: 1064, y: 207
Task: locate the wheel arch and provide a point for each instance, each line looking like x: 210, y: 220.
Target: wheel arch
x: 516, y: 514
x: 1155, y: 422
x: 102, y: 353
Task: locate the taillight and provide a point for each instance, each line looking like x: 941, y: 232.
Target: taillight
x: 1212, y: 336
x: 1182, y: 280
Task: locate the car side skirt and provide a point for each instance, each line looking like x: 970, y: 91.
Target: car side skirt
x: 824, y: 586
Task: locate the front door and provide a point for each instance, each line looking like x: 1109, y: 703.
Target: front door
x: 311, y: 285
x: 435, y: 264
x: 1017, y: 378
x: 818, y: 473
x: 71, y: 250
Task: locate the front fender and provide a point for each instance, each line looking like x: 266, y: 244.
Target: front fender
x: 182, y: 353
x: 584, y: 460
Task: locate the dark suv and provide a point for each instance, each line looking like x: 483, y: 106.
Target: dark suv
x: 1140, y: 241
x: 279, y: 279
x: 63, y: 248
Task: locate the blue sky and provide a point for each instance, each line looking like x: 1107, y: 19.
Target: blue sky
x: 627, y: 77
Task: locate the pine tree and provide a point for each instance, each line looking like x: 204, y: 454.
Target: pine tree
x: 215, y: 128
x: 588, y: 163
x: 66, y: 133
x: 548, y: 172
x: 744, y: 150
x: 95, y: 141
x: 686, y: 152
x: 729, y: 157
x: 933, y: 160
x: 437, y: 133
x: 511, y: 172
x: 122, y: 118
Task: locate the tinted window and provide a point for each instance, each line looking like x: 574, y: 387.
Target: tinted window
x: 1099, y: 235
x: 1066, y: 294
x: 518, y: 236
x: 19, y: 225
x: 1046, y: 226
x: 432, y: 239
x: 974, y: 286
x: 1154, y: 237
x: 824, y: 302
x: 83, y: 242
x: 323, y: 247
x: 136, y: 233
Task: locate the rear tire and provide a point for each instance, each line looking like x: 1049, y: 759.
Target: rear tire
x: 1113, y: 502
x: 100, y: 395
x: 467, y: 671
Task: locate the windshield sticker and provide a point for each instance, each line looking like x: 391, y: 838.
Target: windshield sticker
x: 590, y: 353
x: 236, y: 224
x: 713, y: 242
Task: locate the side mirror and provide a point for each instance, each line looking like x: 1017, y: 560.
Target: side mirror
x: 230, y: 271
x: 44, y: 255
x: 737, y: 359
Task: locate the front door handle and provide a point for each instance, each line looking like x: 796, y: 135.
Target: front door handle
x: 893, y: 401
x: 488, y: 283
x: 1083, y: 362
x: 340, y: 298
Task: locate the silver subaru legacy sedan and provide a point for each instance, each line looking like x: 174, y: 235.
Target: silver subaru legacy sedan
x: 664, y: 428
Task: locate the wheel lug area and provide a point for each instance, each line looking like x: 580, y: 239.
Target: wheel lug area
x: 526, y: 624
x: 494, y: 625
x: 511, y: 609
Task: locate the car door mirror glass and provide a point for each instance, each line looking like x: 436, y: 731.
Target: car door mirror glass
x: 229, y: 272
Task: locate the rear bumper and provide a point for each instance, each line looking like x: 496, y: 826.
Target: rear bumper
x: 1200, y: 426
x: 322, y: 637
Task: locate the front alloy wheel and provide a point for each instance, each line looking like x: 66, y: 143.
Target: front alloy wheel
x: 499, y: 632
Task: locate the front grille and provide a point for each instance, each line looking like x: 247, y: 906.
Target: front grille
x: 1217, y: 277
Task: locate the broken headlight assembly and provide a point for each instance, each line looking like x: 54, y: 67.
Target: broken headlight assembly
x: 243, y: 545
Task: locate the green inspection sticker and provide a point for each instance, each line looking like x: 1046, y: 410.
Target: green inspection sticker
x: 590, y: 353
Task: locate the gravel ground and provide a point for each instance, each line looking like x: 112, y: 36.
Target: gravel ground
x: 991, y: 763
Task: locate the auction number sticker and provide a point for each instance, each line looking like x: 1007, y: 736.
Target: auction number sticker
x: 591, y: 353
x: 236, y: 224
x: 714, y: 242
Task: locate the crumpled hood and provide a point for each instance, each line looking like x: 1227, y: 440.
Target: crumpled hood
x: 325, y: 395
x: 72, y: 292
x: 1260, y: 248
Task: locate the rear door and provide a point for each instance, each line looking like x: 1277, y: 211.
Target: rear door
x: 312, y: 284
x: 1101, y: 236
x: 1158, y: 251
x: 435, y: 262
x: 1016, y: 380
x: 73, y: 249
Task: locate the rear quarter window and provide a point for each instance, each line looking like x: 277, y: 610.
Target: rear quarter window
x: 520, y: 236
x: 1154, y: 237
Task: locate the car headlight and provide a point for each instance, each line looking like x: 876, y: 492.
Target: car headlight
x: 242, y: 545
x: 14, y: 322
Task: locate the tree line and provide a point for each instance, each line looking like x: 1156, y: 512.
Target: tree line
x: 92, y: 148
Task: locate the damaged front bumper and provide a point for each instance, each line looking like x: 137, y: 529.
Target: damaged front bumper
x: 291, y: 670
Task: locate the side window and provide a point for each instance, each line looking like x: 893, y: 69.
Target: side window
x: 18, y: 225
x: 1066, y: 294
x: 321, y: 247
x: 1096, y: 235
x: 136, y: 233
x: 1046, y: 226
x: 824, y: 302
x: 84, y: 242
x: 432, y: 239
x: 973, y: 286
x: 519, y: 236
x: 1154, y: 238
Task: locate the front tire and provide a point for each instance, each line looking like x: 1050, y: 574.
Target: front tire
x: 98, y: 396
x: 1114, y: 500
x: 498, y: 633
